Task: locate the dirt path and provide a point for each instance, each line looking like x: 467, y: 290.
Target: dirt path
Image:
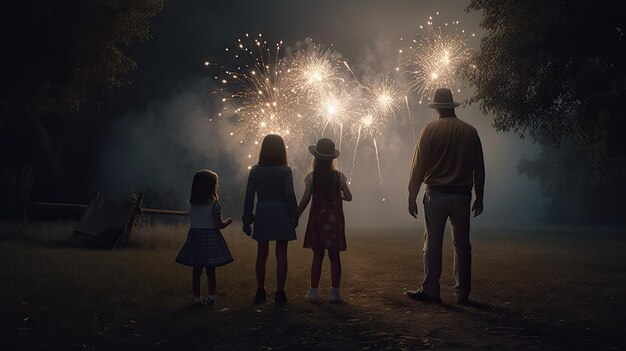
x: 406, y: 324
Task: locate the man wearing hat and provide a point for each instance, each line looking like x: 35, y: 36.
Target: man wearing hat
x: 449, y: 160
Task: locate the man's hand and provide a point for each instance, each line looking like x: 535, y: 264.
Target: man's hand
x: 413, y: 208
x: 477, y: 208
x: 247, y: 229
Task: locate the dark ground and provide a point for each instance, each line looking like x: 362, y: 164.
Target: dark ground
x: 533, y: 290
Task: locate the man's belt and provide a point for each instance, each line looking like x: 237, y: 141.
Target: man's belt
x: 450, y: 189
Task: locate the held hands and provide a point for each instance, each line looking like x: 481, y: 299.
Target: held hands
x: 247, y: 229
x: 477, y: 208
x: 413, y: 208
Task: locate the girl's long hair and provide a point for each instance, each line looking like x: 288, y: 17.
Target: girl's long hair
x: 204, y: 187
x: 325, y: 182
x: 273, y: 151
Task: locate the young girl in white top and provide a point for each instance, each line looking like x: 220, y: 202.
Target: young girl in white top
x: 205, y: 246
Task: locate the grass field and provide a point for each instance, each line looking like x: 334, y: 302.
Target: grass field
x: 533, y: 289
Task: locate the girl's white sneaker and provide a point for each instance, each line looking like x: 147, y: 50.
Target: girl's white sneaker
x: 311, y: 296
x: 334, y: 295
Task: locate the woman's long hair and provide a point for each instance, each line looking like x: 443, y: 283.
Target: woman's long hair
x: 204, y: 187
x: 273, y: 151
x: 325, y: 182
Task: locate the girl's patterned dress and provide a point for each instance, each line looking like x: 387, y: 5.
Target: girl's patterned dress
x: 326, y: 226
x: 205, y: 245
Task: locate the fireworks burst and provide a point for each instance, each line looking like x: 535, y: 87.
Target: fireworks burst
x: 256, y: 92
x: 297, y: 96
x: 325, y: 93
x: 380, y: 102
x: 386, y: 97
x: 335, y: 108
x: 302, y: 96
x: 314, y: 69
x: 435, y: 57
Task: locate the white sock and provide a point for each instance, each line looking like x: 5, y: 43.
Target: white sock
x: 211, y: 297
x: 197, y: 299
x: 311, y: 295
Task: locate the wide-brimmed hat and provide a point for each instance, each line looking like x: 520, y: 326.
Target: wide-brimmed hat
x: 443, y: 99
x: 324, y: 149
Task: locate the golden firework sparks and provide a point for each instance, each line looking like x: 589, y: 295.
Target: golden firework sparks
x: 435, y: 57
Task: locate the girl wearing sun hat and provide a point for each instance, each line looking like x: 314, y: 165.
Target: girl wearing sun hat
x: 326, y: 227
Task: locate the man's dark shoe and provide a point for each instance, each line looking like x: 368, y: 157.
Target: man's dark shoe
x: 463, y: 300
x: 210, y: 304
x: 280, y: 298
x: 420, y: 296
x: 260, y: 297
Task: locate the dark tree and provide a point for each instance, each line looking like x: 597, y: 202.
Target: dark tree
x: 578, y: 191
x: 56, y: 52
x: 57, y: 56
x: 556, y: 70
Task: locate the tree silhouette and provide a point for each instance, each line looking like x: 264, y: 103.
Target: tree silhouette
x: 56, y: 52
x: 57, y: 55
x: 556, y: 70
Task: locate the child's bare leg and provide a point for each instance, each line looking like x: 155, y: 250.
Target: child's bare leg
x: 316, y: 267
x: 195, y: 281
x: 335, y: 268
x: 281, y: 265
x: 210, y: 274
x: 261, y: 259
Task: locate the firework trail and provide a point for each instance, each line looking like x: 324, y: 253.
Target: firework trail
x: 408, y: 109
x: 380, y: 177
x: 356, y: 146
